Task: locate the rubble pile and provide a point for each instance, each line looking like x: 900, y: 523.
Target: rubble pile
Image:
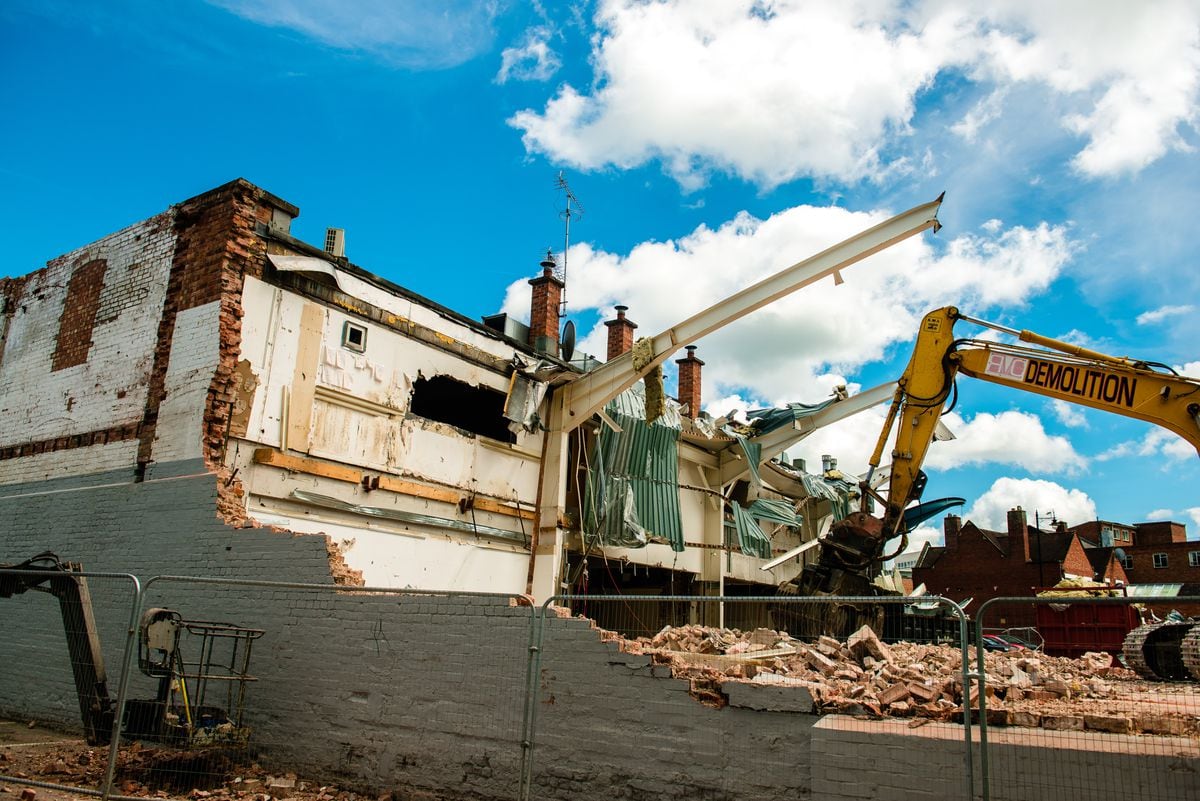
x: 867, y: 677
x: 161, y: 773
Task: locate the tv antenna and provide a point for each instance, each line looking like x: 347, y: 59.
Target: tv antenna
x: 572, y: 208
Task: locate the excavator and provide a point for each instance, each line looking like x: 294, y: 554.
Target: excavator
x: 180, y: 715
x: 854, y: 550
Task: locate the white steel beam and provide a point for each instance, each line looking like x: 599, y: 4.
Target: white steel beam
x: 779, y: 440
x: 591, y: 392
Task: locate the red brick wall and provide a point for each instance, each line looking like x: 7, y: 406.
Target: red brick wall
x: 1159, y: 532
x: 620, y: 334
x: 689, y: 382
x: 977, y: 569
x: 217, y: 247
x: 543, y: 311
x: 79, y: 315
x: 1176, y: 571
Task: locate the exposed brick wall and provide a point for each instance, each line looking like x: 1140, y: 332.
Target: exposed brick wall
x: 976, y: 568
x: 79, y: 315
x: 217, y: 246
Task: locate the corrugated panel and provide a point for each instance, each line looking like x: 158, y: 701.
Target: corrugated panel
x: 836, y: 493
x: 765, y: 420
x: 750, y: 537
x: 753, y: 453
x: 633, y: 484
x: 775, y: 511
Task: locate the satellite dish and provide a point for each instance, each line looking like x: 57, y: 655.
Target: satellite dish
x: 567, y: 342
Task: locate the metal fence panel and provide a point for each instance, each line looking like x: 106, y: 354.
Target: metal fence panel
x: 64, y: 645
x: 669, y: 708
x: 275, y: 688
x: 1068, y: 718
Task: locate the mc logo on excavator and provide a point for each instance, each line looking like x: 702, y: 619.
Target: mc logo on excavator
x: 1003, y: 365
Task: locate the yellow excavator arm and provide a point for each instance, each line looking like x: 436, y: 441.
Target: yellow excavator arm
x: 1056, y: 369
x: 855, y: 548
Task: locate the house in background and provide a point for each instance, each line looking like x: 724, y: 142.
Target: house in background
x: 981, y: 564
x: 1157, y: 557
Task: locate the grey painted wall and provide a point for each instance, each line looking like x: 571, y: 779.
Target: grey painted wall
x: 425, y: 694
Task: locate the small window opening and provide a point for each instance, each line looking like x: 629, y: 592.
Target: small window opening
x: 478, y: 410
x: 354, y: 337
x: 1193, y: 558
x: 1160, y: 560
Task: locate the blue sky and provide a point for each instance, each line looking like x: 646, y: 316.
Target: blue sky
x: 711, y: 143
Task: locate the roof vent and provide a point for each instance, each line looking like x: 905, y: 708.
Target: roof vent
x: 335, y: 242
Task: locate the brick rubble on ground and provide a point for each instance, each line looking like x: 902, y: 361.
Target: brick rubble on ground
x: 865, y: 676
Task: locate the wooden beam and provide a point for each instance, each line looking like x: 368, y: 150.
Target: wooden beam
x: 338, y: 472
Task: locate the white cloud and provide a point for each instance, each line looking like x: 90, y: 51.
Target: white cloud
x: 1015, y: 439
x: 1069, y: 415
x: 990, y: 510
x: 401, y: 33
x: 1160, y: 514
x: 532, y: 60
x: 779, y: 353
x: 924, y: 534
x: 1008, y: 438
x: 824, y: 88
x: 1162, y: 313
x: 1158, y: 444
x: 985, y: 111
x: 1194, y: 513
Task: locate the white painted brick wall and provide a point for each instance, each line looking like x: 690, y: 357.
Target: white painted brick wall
x: 195, y: 352
x: 74, y: 462
x: 110, y: 388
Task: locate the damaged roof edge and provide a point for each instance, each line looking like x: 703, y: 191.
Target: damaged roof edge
x: 341, y: 263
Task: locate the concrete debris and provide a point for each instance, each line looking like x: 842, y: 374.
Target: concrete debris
x: 865, y: 676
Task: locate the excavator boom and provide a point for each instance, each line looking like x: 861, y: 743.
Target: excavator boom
x: 854, y: 550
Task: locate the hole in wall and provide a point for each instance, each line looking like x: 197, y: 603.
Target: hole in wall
x: 478, y: 410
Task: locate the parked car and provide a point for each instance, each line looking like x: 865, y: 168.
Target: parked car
x: 994, y: 642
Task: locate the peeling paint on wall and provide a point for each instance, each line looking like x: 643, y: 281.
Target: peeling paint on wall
x: 245, y: 385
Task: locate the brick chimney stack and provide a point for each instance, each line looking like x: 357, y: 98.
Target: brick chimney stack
x: 543, y: 311
x: 689, y: 381
x: 620, y: 333
x: 1018, y: 535
x: 951, y: 526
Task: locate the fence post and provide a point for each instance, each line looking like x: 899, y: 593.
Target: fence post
x: 114, y: 745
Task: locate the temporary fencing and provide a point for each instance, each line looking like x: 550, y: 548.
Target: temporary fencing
x: 64, y: 657
x: 353, y: 683
x: 1068, y: 719
x: 260, y: 688
x: 257, y: 687
x: 666, y: 698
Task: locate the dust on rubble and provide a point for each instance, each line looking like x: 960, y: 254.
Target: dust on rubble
x: 865, y: 676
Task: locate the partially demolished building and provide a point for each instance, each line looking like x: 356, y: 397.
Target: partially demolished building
x: 422, y: 447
